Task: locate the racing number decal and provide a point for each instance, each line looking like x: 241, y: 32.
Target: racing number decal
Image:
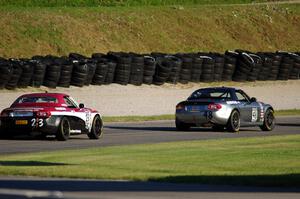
x: 37, y: 122
x: 87, y: 119
x: 254, y: 115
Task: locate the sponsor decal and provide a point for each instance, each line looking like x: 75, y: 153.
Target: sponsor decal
x: 232, y: 102
x: 254, y: 115
x: 261, y: 111
x: 87, y: 119
x: 60, y: 108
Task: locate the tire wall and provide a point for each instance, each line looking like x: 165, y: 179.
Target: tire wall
x: 154, y: 68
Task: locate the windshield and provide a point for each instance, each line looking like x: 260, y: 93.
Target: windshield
x: 210, y: 93
x: 36, y: 99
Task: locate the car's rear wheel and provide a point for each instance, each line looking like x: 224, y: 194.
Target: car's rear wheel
x: 63, y: 132
x: 181, y: 126
x: 269, y: 121
x: 97, y: 128
x: 233, y: 124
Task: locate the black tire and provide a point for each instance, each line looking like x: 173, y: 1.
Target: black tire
x: 269, y: 121
x: 97, y: 128
x: 63, y: 132
x: 233, y: 124
x: 181, y: 126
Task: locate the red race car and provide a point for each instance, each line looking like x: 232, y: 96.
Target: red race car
x: 50, y: 114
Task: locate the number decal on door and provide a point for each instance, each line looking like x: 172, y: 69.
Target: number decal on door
x: 35, y: 122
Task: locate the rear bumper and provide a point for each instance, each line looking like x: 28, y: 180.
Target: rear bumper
x: 25, y: 125
x: 202, y: 118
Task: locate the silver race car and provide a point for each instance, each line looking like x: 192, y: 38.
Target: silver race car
x: 223, y: 107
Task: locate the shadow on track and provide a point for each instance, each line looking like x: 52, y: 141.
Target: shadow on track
x: 288, y: 124
x: 267, y: 183
x: 29, y: 163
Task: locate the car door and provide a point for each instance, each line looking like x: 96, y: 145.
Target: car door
x: 249, y: 108
x: 82, y: 114
x: 245, y: 106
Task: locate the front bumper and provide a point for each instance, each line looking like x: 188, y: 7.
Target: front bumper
x: 24, y: 125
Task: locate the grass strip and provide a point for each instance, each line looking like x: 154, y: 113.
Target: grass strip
x: 257, y: 161
x: 113, y: 3
x: 289, y: 112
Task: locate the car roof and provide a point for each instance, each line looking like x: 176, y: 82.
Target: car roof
x: 219, y: 88
x: 56, y: 95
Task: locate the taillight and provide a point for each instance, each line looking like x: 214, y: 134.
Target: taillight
x: 179, y: 106
x: 214, y: 107
x: 43, y: 114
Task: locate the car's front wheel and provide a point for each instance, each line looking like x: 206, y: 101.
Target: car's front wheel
x: 269, y: 121
x: 181, y: 126
x: 233, y: 124
x: 63, y: 132
x: 97, y: 128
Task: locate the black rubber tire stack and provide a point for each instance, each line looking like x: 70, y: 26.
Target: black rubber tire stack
x: 245, y: 63
x: 149, y: 69
x: 276, y: 60
x: 80, y: 73
x: 77, y: 56
x: 294, y: 73
x: 52, y: 71
x: 27, y: 73
x: 219, y: 66
x: 137, y: 69
x: 176, y: 65
x: 65, y: 73
x: 39, y: 70
x: 15, y: 76
x: 207, y: 69
x: 101, y: 71
x: 229, y: 66
x: 286, y: 66
x: 92, y: 65
x: 196, y: 68
x: 258, y: 64
x: 162, y: 72
x: 111, y: 68
x: 123, y: 68
x: 186, y: 68
x: 6, y: 71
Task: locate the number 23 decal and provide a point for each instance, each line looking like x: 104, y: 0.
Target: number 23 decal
x: 37, y: 122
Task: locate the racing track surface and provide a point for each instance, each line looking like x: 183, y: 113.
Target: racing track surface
x: 116, y: 134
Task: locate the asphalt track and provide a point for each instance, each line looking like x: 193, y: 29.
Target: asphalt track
x: 117, y: 134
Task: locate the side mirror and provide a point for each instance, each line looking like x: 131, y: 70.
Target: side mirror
x: 81, y: 105
x: 253, y: 99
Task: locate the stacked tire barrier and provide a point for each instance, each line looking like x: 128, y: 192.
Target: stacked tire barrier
x: 155, y: 68
x: 149, y: 69
x: 137, y: 70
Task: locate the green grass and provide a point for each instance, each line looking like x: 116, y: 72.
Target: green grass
x: 289, y: 112
x: 261, y: 161
x: 28, y: 31
x: 93, y: 3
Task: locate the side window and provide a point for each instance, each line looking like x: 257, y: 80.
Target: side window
x: 69, y: 103
x: 240, y: 96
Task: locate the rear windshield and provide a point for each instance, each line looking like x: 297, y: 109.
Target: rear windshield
x: 210, y: 93
x: 22, y: 100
